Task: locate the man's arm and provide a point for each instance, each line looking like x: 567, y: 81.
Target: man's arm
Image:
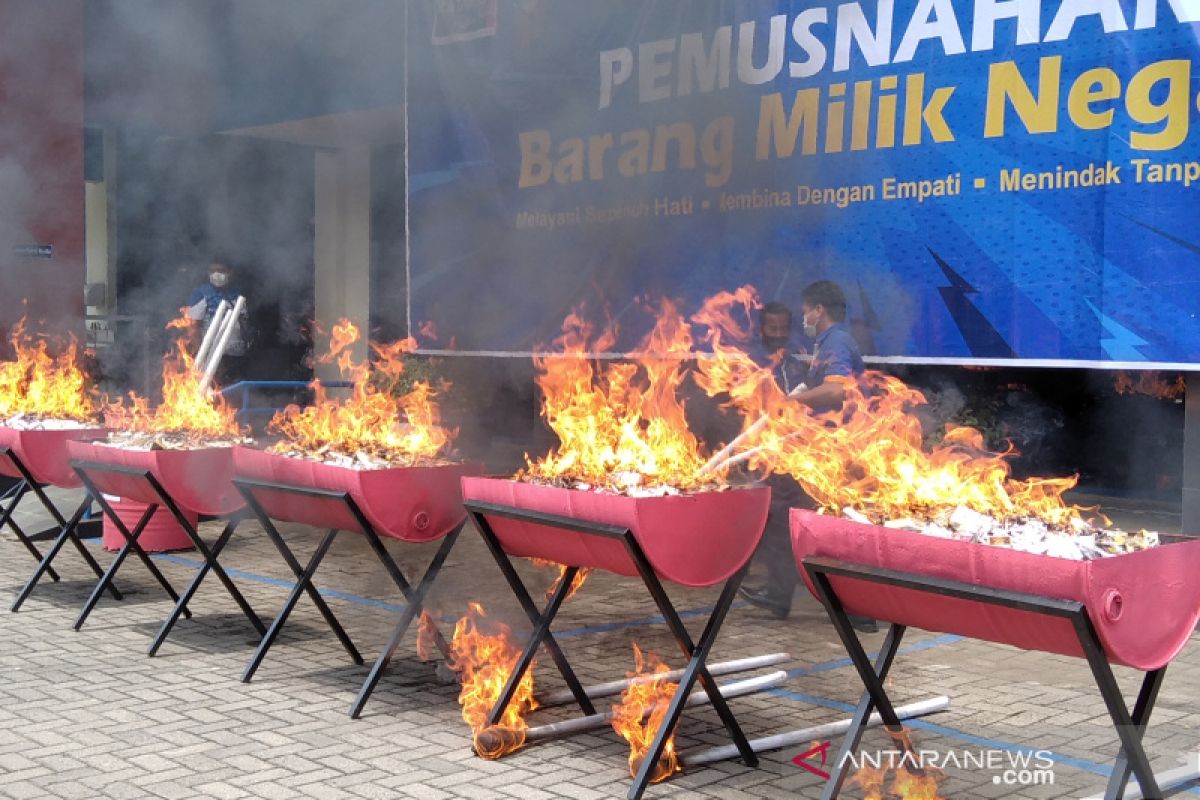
x: 828, y: 395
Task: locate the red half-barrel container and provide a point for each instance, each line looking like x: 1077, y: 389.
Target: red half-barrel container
x: 44, y: 453
x: 415, y: 504
x: 1143, y: 605
x: 199, y: 481
x: 696, y: 539
x: 162, y: 533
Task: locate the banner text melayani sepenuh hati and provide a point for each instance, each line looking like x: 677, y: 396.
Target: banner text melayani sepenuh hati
x: 885, y: 111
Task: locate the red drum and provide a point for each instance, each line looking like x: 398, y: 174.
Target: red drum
x: 415, y: 504
x: 44, y: 453
x: 696, y: 539
x: 1144, y: 605
x: 199, y: 481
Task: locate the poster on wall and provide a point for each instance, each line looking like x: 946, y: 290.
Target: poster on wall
x: 988, y: 181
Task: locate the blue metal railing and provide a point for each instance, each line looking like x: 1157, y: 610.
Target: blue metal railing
x: 245, y: 410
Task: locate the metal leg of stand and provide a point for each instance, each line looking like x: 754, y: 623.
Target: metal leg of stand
x: 1128, y: 731
x: 6, y: 518
x: 684, y: 640
x: 106, y: 579
x: 541, y: 621
x: 303, y: 584
x: 210, y: 562
x: 415, y: 600
x: 67, y: 532
x: 692, y: 672
x: 862, y: 714
x: 1142, y: 709
x: 131, y: 543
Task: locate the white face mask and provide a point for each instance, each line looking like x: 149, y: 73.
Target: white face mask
x: 810, y: 328
x: 218, y: 279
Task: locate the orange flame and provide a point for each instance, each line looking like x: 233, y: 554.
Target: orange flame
x: 41, y: 384
x: 426, y: 636
x: 185, y: 408
x: 908, y: 783
x: 636, y: 726
x: 870, y: 455
x: 1152, y: 384
x: 484, y: 660
x: 622, y: 418
x: 576, y: 582
x: 373, y: 419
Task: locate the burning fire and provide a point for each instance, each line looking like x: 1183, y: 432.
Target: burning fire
x: 484, y: 654
x: 620, y: 424
x: 374, y: 421
x: 640, y: 713
x: 185, y: 407
x: 40, y: 384
x: 426, y: 636
x: 1152, y: 384
x: 576, y: 583
x: 870, y: 456
x: 908, y: 782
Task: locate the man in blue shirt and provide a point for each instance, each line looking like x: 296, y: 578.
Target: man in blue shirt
x: 835, y: 355
x: 202, y: 307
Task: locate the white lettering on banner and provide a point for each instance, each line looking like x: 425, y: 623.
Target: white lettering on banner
x: 699, y: 62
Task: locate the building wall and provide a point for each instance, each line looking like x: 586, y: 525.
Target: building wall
x: 41, y: 162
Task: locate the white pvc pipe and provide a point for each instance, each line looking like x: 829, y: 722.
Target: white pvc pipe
x: 231, y: 319
x: 695, y: 758
x: 593, y: 722
x: 561, y: 696
x: 210, y: 336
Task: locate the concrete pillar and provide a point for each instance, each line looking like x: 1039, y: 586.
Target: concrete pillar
x: 1191, y: 457
x: 342, y: 246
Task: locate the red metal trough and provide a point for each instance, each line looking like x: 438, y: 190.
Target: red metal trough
x: 694, y: 539
x: 200, y: 481
x: 1143, y: 605
x: 44, y: 453
x: 415, y: 504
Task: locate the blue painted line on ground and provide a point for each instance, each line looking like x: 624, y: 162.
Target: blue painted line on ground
x: 1103, y: 770
x: 839, y: 663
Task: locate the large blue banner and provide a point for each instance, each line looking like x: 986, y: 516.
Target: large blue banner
x: 987, y: 180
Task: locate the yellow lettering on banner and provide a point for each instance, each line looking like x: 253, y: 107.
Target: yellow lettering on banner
x: 1174, y: 109
x: 569, y: 168
x: 685, y: 135
x: 775, y: 126
x: 1005, y: 84
x: 636, y: 158
x: 1093, y: 86
x: 918, y: 112
x: 598, y: 145
x: 535, y: 159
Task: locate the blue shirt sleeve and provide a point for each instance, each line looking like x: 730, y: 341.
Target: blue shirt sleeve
x: 196, y: 296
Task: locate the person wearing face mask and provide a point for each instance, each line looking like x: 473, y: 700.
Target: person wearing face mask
x: 775, y: 346
x: 835, y: 355
x: 202, y: 307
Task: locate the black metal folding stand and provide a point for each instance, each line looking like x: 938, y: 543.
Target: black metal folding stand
x: 696, y: 653
x: 67, y: 530
x: 414, y: 596
x: 1130, y: 727
x: 84, y: 470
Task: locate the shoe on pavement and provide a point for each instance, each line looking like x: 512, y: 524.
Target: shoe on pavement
x: 760, y: 599
x: 863, y: 624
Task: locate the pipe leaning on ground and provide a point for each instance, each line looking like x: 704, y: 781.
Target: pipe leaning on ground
x: 210, y: 336
x: 561, y: 696
x: 554, y: 730
x: 231, y: 319
x: 805, y: 736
